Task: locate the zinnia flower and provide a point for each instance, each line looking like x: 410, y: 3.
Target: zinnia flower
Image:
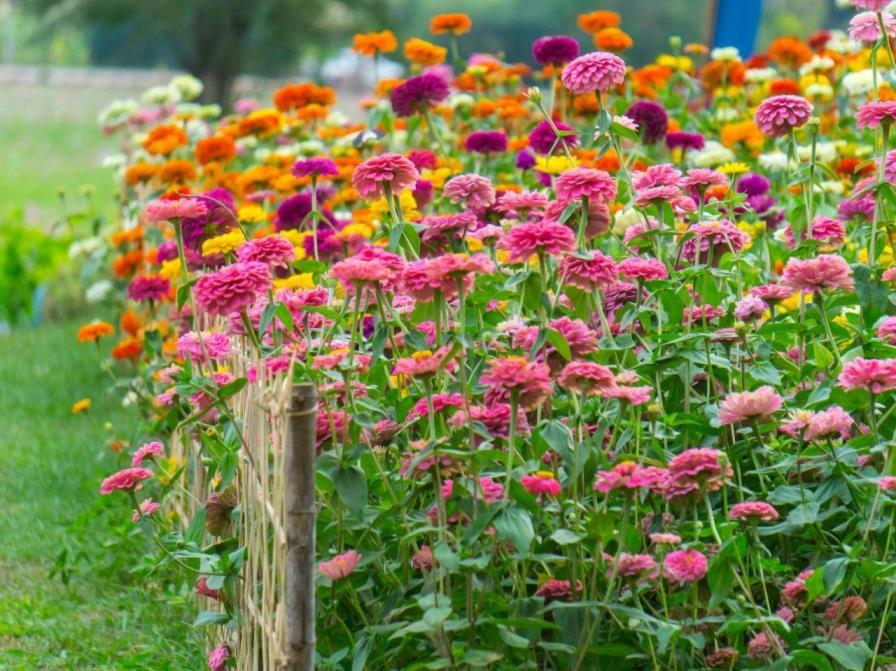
x: 233, y: 288
x: 543, y: 482
x: 651, y: 118
x: 529, y: 381
x: 685, y: 566
x: 543, y: 139
x: 596, y: 71
x: 778, y: 115
x: 594, y: 271
x: 865, y: 27
x: 745, y: 405
x: 473, y: 191
x: 753, y: 510
x: 217, y: 658
x: 128, y: 478
x: 170, y: 210
x: 418, y: 94
x: 825, y: 271
x: 588, y: 183
x: 543, y: 237
x: 876, y: 113
x: 340, y: 566
x: 153, y: 448
x: 554, y: 50
x: 394, y: 171
x: 149, y: 288
x: 486, y: 142
x: 875, y: 375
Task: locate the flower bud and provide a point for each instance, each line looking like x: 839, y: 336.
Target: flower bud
x: 534, y: 94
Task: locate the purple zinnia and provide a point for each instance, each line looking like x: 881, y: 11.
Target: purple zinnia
x: 315, y: 167
x: 554, y: 50
x: 292, y: 212
x: 487, y: 141
x: 543, y: 137
x: 525, y: 160
x: 418, y: 94
x: 679, y: 139
x: 753, y: 184
x: 651, y: 118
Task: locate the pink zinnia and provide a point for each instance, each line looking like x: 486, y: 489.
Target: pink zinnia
x: 834, y: 421
x: 710, y: 240
x: 424, y: 363
x: 153, y: 448
x: 340, y: 566
x: 887, y: 330
x: 586, y: 377
x: 823, y: 229
x: 876, y: 113
x: 274, y: 250
x: 473, y: 191
x: 871, y: 5
x: 750, y: 307
x: 887, y: 483
x: 147, y: 507
x: 594, y: 271
x: 772, y: 293
x: 595, y: 71
x: 521, y: 204
x: 621, y: 476
x: 875, y: 375
x: 371, y: 178
x: 865, y: 27
x: 753, y: 510
x: 638, y: 566
x: 580, y: 183
x: 168, y: 210
x: 637, y: 268
x: 149, y: 288
x: 696, y: 470
x: 660, y: 174
x: 556, y: 589
x: 217, y: 658
x: 232, y: 288
x: 744, y: 405
x: 778, y: 115
x: 128, y: 478
x: 543, y: 482
x: 530, y: 381
x: 543, y: 237
x: 684, y: 566
x: 825, y: 271
x: 199, y: 346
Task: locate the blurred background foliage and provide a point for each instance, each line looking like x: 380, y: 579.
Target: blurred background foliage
x: 218, y: 39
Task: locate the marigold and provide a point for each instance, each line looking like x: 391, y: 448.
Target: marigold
x: 456, y: 23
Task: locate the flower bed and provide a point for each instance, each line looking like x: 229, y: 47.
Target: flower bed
x: 605, y: 370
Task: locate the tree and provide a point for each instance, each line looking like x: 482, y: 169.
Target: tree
x: 215, y: 40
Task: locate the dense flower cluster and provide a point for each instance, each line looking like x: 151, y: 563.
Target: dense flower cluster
x: 605, y: 368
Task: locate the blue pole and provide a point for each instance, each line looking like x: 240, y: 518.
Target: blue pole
x: 737, y: 24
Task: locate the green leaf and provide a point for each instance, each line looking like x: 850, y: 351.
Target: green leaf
x: 765, y: 371
x: 558, y: 340
x: 720, y: 578
x: 446, y: 556
x: 811, y: 658
x: 208, y: 617
x: 196, y: 530
x: 852, y: 656
x: 351, y: 485
x: 361, y: 652
x: 514, y: 526
x: 565, y: 537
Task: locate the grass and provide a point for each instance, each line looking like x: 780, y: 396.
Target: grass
x: 50, y: 140
x: 105, y: 617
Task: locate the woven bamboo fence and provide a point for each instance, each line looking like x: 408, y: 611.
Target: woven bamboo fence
x: 277, y: 417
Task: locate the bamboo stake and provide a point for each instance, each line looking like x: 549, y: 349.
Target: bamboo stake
x: 299, y: 481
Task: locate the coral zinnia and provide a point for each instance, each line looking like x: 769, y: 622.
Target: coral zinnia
x: 825, y: 271
x: 543, y: 237
x: 393, y: 170
x: 744, y: 405
x: 128, y: 478
x: 875, y: 375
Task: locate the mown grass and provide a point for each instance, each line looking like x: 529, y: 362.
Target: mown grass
x: 105, y: 617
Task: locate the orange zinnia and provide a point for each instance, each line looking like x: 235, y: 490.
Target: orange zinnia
x: 612, y: 39
x: 371, y: 44
x: 215, y: 148
x: 594, y: 22
x: 139, y: 172
x: 423, y: 52
x: 129, y: 348
x: 177, y: 171
x: 789, y: 51
x: 296, y: 96
x: 130, y: 323
x: 456, y: 23
x: 163, y: 140
x: 94, y: 331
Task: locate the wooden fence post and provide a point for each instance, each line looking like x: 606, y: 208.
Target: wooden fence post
x: 299, y: 480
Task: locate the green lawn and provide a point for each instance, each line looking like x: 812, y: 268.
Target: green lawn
x: 52, y: 463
